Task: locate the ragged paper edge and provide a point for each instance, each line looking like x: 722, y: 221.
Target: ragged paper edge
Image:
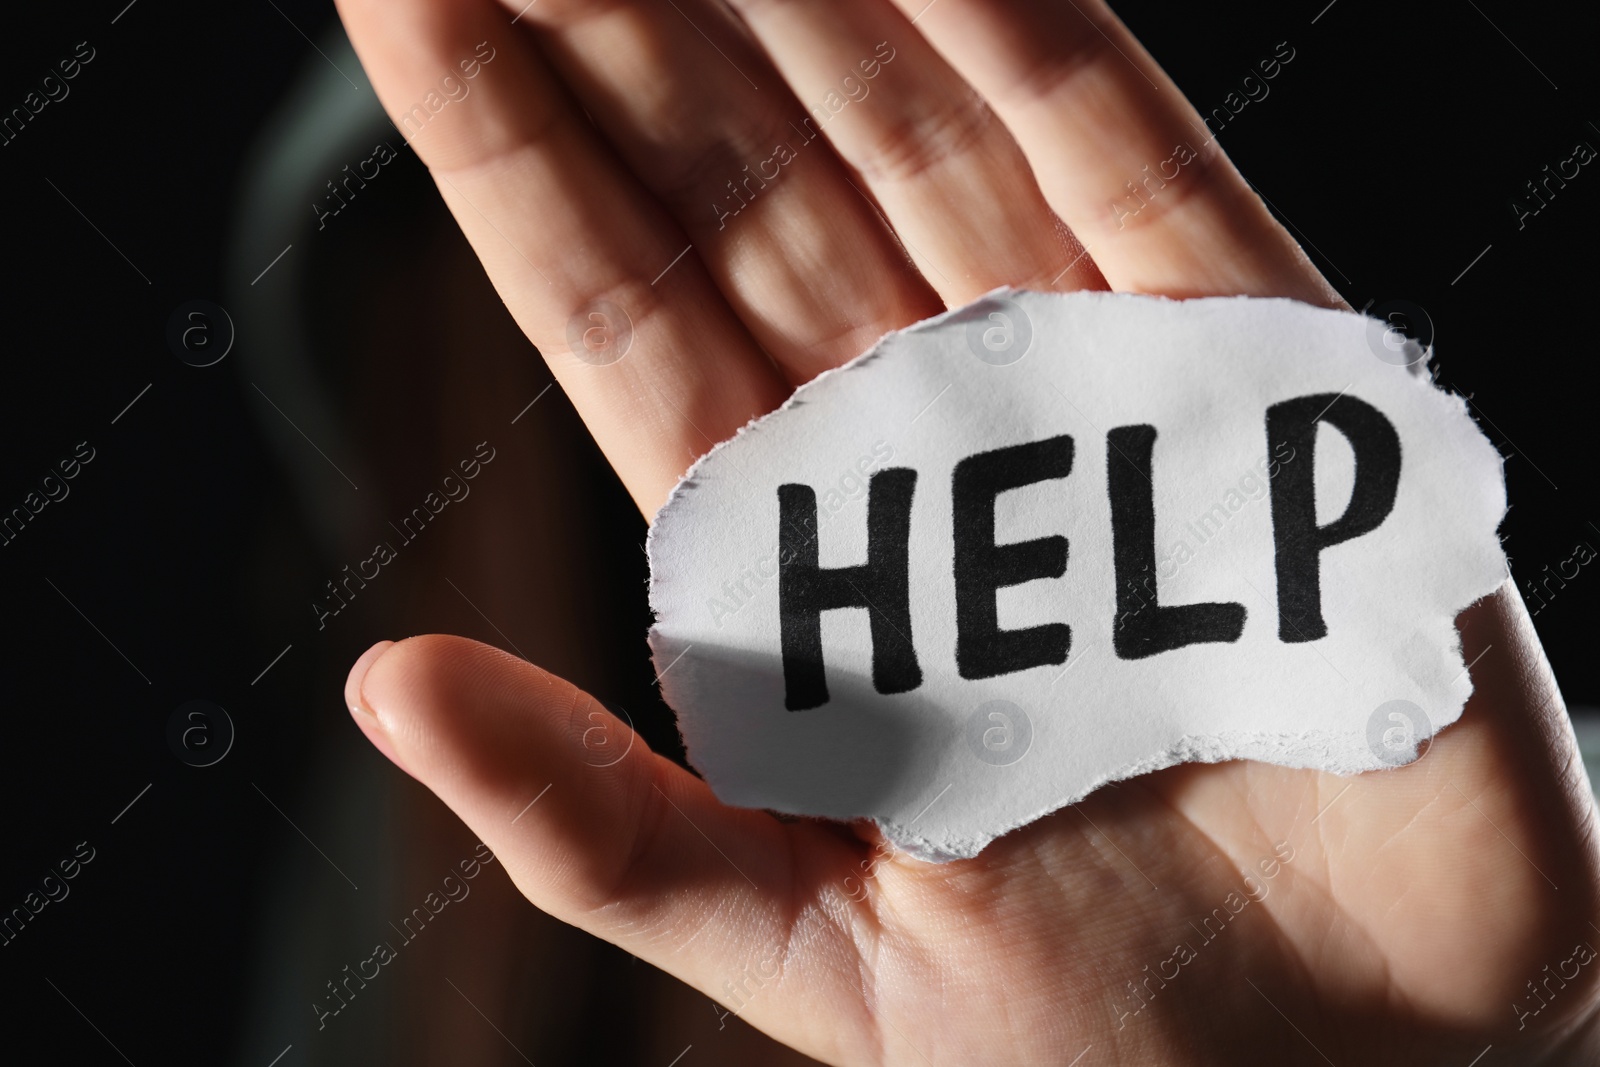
x: 1191, y: 748
x: 1290, y: 751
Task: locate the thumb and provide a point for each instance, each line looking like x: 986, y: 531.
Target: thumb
x: 592, y: 826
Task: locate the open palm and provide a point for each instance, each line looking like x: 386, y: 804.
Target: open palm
x: 693, y: 206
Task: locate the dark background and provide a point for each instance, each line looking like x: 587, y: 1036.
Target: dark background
x: 1393, y: 145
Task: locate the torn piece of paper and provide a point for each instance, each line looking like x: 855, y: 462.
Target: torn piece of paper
x: 1048, y: 541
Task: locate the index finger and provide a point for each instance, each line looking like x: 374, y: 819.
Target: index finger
x: 593, y: 269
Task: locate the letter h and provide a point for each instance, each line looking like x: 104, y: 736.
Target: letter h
x: 881, y: 585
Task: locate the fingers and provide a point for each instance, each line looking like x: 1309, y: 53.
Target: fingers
x: 948, y: 174
x: 583, y: 258
x: 695, y: 110
x: 593, y: 827
x: 1123, y: 158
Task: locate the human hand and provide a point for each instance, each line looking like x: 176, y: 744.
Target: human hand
x: 1394, y: 917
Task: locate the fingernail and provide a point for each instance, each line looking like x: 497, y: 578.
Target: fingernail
x: 364, y: 716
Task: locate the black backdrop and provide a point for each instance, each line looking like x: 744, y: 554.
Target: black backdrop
x: 1395, y: 145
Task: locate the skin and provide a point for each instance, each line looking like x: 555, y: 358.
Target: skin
x: 1394, y: 917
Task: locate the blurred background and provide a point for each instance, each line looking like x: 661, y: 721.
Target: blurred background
x: 219, y: 392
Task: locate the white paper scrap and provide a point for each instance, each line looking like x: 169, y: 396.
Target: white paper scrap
x: 1048, y: 541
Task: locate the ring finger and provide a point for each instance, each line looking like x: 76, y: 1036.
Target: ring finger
x: 950, y: 177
